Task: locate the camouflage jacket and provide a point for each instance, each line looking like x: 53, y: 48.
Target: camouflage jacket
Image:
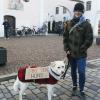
x: 78, y: 40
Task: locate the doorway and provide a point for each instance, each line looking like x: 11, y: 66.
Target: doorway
x: 99, y: 28
x: 12, y: 22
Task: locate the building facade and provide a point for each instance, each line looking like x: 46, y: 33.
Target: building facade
x: 36, y: 12
x: 20, y: 13
x: 93, y: 14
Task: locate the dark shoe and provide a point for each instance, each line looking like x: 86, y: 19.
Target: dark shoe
x: 74, y: 91
x: 82, y: 95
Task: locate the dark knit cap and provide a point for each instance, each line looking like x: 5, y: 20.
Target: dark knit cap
x: 79, y: 7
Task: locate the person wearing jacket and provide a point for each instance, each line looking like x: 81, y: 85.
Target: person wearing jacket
x: 6, y: 28
x: 77, y: 38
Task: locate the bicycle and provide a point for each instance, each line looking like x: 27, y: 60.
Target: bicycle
x: 42, y: 30
x: 33, y: 31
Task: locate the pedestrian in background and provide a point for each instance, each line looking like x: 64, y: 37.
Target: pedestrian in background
x: 77, y: 38
x: 6, y: 28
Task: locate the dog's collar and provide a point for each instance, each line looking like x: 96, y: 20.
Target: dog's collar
x: 57, y: 77
x: 55, y: 73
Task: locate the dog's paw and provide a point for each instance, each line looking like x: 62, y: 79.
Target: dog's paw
x: 15, y: 88
x: 54, y: 95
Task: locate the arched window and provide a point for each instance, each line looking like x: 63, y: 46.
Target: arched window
x: 88, y: 5
x: 57, y: 10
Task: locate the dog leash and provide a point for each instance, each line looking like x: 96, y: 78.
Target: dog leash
x: 67, y: 66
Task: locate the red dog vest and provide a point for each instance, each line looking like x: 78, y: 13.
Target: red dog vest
x: 21, y: 76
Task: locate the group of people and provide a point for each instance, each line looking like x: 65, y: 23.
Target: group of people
x: 77, y: 38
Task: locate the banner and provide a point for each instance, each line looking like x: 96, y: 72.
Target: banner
x: 36, y: 73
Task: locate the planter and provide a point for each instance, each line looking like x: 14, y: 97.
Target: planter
x: 3, y: 56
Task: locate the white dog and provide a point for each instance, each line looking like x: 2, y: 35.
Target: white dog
x: 56, y: 70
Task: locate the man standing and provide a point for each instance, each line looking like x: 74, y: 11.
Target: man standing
x: 6, y: 28
x: 77, y: 38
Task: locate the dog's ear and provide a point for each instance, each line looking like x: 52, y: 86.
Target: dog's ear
x: 52, y: 64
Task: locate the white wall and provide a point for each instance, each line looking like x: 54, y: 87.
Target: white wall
x: 29, y: 16
x: 50, y: 6
x: 35, y: 12
x: 93, y: 15
x: 97, y: 17
x: 1, y: 19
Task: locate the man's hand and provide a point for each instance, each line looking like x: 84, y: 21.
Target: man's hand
x: 67, y: 52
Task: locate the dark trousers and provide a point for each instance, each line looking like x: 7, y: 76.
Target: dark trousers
x: 79, y: 64
x: 6, y: 32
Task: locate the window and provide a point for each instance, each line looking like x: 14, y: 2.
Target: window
x: 99, y: 27
x: 88, y: 5
x: 57, y: 10
x: 64, y: 10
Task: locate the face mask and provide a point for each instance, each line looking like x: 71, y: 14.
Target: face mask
x: 76, y: 16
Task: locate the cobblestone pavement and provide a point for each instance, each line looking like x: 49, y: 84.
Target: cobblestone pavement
x: 41, y: 50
